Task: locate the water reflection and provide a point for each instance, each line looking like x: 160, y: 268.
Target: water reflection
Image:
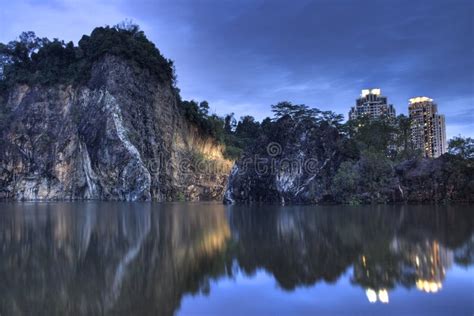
x: 118, y: 258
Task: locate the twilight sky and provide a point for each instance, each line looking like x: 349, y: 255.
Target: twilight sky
x: 244, y: 55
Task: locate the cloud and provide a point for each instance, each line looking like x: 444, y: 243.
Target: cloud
x: 67, y: 20
x: 244, y: 55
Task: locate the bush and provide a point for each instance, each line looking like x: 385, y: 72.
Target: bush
x: 346, y: 182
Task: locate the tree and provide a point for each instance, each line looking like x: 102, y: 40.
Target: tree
x: 463, y: 147
x: 247, y: 128
x: 376, y: 135
x: 15, y: 57
x: 128, y: 26
x: 204, y: 108
x: 229, y: 123
x: 332, y: 118
x: 345, y: 182
x: 294, y: 111
x: 403, y: 139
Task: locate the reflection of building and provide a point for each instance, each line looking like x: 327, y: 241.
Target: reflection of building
x: 375, y: 277
x: 428, y: 127
x: 371, y: 104
x: 421, y: 264
x: 381, y: 294
x: 429, y: 260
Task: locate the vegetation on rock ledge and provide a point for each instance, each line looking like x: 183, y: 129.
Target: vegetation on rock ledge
x: 33, y: 60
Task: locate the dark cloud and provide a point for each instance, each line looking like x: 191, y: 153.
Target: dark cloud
x: 243, y: 55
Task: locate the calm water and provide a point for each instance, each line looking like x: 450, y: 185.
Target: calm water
x: 209, y: 259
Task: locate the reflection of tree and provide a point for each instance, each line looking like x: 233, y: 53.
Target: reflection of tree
x: 464, y: 255
x: 302, y: 245
x: 417, y: 254
x: 107, y: 258
x: 116, y: 258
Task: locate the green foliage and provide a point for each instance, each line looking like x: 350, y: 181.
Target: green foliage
x: 462, y: 147
x: 373, y: 146
x: 376, y: 170
x: 296, y: 112
x: 388, y: 136
x: 180, y: 197
x: 229, y: 123
x: 197, y: 113
x: 362, y: 178
x: 345, y: 182
x: 302, y: 113
x: 403, y: 142
x: 372, y: 135
x: 236, y: 136
x: 232, y: 152
x: 247, y: 131
x: 34, y: 60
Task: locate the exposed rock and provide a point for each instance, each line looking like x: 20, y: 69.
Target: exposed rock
x: 121, y: 137
x: 294, y: 169
x: 300, y: 165
x: 447, y: 178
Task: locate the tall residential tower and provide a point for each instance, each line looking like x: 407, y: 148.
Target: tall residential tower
x: 428, y: 127
x: 371, y: 104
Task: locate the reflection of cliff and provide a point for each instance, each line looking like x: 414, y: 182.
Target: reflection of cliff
x: 91, y: 258
x: 299, y: 245
x: 388, y: 247
x: 114, y: 258
x: 188, y: 248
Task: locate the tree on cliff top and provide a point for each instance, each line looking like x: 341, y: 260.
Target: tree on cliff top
x: 34, y: 60
x: 302, y: 113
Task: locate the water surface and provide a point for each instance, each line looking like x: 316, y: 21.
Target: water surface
x: 96, y: 258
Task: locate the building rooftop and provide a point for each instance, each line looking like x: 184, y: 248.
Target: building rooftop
x: 420, y: 99
x: 365, y: 92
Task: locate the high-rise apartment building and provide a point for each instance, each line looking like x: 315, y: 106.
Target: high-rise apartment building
x: 428, y: 127
x: 371, y: 104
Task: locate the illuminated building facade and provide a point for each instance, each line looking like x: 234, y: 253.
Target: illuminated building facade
x: 428, y: 127
x: 371, y: 104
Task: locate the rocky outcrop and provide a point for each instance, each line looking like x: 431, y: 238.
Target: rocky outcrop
x: 298, y: 163
x: 121, y: 136
x: 295, y: 167
x: 447, y: 178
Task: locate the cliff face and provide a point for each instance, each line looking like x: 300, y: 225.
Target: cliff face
x: 121, y: 136
x: 294, y: 164
x: 447, y: 178
x: 310, y: 164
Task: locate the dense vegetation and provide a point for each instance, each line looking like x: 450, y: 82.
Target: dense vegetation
x: 33, y: 60
x: 375, y: 158
x: 461, y: 147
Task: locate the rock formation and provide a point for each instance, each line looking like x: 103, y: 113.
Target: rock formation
x: 300, y: 161
x: 120, y: 136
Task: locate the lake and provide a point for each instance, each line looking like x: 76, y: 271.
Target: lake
x: 113, y: 258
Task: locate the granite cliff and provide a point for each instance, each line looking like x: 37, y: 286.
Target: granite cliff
x: 120, y: 135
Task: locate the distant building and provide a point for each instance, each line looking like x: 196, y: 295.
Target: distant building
x: 428, y: 127
x: 371, y: 104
